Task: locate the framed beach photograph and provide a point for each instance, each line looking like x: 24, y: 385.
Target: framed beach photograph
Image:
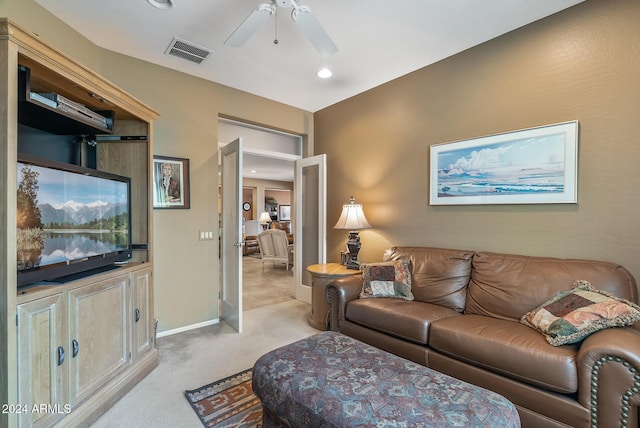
x: 530, y: 166
x: 170, y: 182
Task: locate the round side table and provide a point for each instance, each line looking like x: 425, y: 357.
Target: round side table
x: 321, y: 275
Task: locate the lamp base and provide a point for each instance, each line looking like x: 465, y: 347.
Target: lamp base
x: 353, y: 247
x: 353, y: 264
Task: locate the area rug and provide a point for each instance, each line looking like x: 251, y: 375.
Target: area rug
x: 227, y: 403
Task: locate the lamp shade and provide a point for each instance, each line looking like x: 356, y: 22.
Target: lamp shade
x: 265, y: 218
x: 352, y: 217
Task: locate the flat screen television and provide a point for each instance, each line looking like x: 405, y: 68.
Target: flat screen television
x: 70, y: 220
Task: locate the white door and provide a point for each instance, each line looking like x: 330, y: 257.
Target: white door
x: 311, y: 219
x: 231, y: 239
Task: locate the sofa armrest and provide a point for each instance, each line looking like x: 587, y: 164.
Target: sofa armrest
x: 609, y: 376
x: 339, y: 292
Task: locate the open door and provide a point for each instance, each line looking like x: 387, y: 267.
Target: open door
x: 311, y: 218
x: 231, y: 239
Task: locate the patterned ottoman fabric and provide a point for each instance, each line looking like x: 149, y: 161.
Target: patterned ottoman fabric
x: 332, y: 380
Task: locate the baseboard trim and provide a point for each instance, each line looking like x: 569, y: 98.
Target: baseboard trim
x: 303, y: 293
x: 188, y: 327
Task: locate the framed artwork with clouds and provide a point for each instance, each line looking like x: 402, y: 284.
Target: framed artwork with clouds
x: 528, y: 166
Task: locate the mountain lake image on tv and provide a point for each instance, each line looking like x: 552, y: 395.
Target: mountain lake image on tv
x: 70, y: 220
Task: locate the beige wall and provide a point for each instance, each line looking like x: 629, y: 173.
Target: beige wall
x: 582, y: 63
x: 186, y: 269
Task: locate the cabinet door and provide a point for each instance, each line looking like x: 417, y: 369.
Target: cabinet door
x: 42, y: 366
x: 98, y: 325
x: 142, y: 312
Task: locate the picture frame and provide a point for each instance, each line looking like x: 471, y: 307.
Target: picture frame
x: 284, y: 212
x: 171, y: 183
x: 529, y: 166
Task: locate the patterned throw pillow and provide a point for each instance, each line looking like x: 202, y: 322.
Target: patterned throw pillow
x: 387, y: 279
x: 570, y: 316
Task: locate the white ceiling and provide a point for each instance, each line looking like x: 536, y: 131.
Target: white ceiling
x: 266, y: 168
x: 378, y: 40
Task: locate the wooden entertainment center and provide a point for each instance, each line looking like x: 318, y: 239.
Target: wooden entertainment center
x: 69, y: 351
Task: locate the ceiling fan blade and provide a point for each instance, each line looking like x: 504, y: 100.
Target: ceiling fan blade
x: 311, y: 27
x: 250, y: 25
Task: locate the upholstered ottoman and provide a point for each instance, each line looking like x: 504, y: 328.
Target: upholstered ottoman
x: 332, y: 380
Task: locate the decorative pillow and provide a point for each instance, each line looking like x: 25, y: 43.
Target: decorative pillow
x: 387, y: 279
x: 570, y: 316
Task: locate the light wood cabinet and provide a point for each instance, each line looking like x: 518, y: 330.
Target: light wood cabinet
x: 42, y: 351
x: 105, y: 319
x: 74, y: 342
x: 143, y: 325
x: 98, y: 335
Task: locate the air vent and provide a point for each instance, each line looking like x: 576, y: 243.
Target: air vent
x: 189, y: 51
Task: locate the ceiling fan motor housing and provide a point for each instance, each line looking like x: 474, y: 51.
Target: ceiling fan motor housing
x: 284, y: 3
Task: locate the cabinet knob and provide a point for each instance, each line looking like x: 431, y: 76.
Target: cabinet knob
x: 137, y: 312
x: 75, y: 346
x: 60, y: 355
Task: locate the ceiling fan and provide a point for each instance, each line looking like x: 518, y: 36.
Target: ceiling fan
x: 300, y: 14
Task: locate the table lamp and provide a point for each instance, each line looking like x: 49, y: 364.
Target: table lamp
x: 352, y: 219
x: 264, y: 219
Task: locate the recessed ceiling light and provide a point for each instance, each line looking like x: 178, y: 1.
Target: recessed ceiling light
x: 161, y: 4
x: 325, y: 73
x: 253, y: 171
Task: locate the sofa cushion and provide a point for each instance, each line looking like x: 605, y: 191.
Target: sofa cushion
x: 507, y: 286
x: 408, y: 320
x: 439, y: 276
x: 570, y: 316
x: 508, y: 348
x: 387, y: 279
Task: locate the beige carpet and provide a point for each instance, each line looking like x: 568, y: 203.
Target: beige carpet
x: 191, y: 359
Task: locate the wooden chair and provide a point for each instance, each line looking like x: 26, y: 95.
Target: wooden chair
x: 274, y: 247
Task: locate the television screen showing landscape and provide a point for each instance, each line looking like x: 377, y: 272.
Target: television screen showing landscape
x: 66, y: 216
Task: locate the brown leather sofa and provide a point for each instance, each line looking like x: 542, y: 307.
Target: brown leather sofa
x: 464, y: 321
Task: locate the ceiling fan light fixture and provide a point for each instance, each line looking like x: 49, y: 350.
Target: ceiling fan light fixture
x: 161, y: 4
x: 324, y: 73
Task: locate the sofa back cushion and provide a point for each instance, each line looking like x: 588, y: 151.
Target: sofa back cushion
x: 438, y: 276
x: 506, y: 286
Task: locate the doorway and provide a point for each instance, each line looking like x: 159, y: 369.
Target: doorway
x: 271, y: 283
x: 267, y: 186
x: 308, y: 197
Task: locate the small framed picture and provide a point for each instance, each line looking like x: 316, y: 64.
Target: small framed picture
x: 284, y: 213
x: 171, y: 182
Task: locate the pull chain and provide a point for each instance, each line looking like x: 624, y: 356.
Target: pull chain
x: 275, y: 41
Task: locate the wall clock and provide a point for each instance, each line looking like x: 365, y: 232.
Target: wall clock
x: 246, y: 206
